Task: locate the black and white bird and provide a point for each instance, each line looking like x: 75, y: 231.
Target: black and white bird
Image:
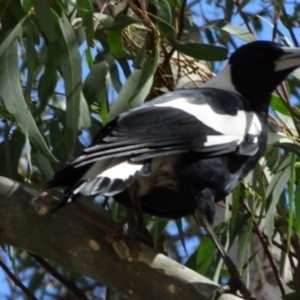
x: 187, y: 149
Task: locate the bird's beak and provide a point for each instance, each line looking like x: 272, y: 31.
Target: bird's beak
x: 290, y: 59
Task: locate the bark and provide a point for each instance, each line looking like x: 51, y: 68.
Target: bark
x: 86, y: 242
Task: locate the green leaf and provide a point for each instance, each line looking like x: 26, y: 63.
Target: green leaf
x: 278, y: 105
x: 165, y: 28
x: 237, y: 31
x: 46, y: 18
x: 43, y: 164
x: 202, y: 259
x: 119, y: 22
x: 95, y: 82
x: 136, y: 88
x: 70, y: 62
x: 89, y: 57
x: 115, y: 42
x: 85, y: 10
x: 201, y: 51
x: 46, y: 85
x: 95, y: 87
x: 274, y: 191
x: 278, y: 138
x: 32, y: 58
x: 297, y: 208
x: 291, y: 190
x: 84, y: 118
x: 115, y: 77
x: 163, y: 10
x: 11, y: 151
x: 288, y: 121
x: 12, y: 94
x: 294, y: 148
x: 158, y: 228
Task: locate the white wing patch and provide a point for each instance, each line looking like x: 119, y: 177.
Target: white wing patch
x: 235, y: 126
x: 114, y: 168
x: 108, y: 177
x: 213, y: 140
x: 122, y: 171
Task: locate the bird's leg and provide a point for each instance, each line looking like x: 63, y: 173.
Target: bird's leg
x: 236, y: 282
x: 141, y: 231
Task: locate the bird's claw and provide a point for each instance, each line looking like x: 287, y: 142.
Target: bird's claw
x: 142, y: 235
x: 235, y: 284
x: 219, y: 291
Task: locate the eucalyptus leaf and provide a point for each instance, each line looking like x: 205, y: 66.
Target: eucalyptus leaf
x: 115, y: 42
x: 70, y: 63
x: 163, y: 10
x: 12, y: 93
x: 239, y: 32
x: 136, y: 88
x: 119, y: 22
x: 274, y: 191
x: 95, y: 82
x: 201, y: 51
x: 85, y: 10
x: 46, y: 18
x: 278, y: 105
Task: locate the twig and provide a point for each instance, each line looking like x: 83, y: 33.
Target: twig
x: 266, y: 250
x: 290, y: 27
x: 275, y: 22
x: 67, y: 283
x: 179, y: 33
x: 17, y: 282
x: 244, y: 16
x: 181, y: 20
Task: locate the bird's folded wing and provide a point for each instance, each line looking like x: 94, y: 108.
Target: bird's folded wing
x: 152, y: 131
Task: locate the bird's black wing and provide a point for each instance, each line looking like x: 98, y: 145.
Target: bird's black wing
x: 176, y: 126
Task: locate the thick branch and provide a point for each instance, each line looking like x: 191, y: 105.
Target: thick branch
x: 89, y: 244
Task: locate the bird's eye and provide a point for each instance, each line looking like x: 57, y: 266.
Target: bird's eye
x: 260, y: 55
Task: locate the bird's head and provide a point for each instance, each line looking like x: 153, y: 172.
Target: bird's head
x: 255, y: 69
x: 261, y: 66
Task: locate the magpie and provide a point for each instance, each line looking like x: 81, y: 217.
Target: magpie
x: 185, y: 150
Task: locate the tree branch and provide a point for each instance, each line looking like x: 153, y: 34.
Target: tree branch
x: 92, y: 245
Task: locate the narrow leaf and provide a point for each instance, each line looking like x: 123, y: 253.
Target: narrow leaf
x: 119, y: 22
x: 201, y: 51
x: 85, y: 10
x: 297, y: 208
x: 45, y: 18
x: 95, y: 82
x: 274, y: 191
x: 84, y: 118
x: 12, y: 94
x: 115, y: 42
x: 278, y: 105
x: 136, y: 88
x: 239, y: 32
x: 70, y: 62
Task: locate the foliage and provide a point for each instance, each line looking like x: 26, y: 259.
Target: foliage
x: 67, y: 67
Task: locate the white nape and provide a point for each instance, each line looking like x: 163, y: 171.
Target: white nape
x: 222, y: 81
